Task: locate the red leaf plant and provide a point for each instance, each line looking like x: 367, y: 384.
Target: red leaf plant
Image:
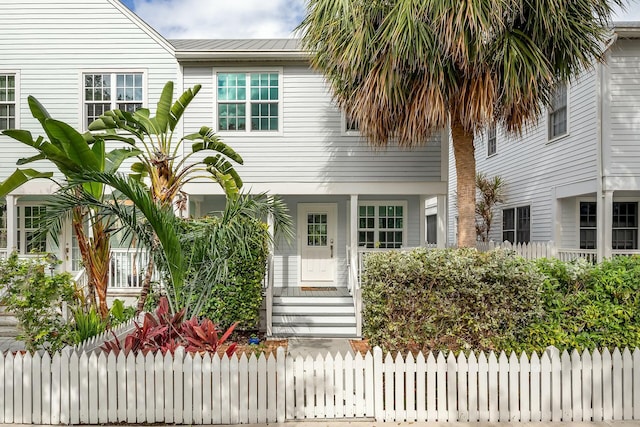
x: 164, y: 332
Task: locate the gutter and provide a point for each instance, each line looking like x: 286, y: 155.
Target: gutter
x: 204, y: 55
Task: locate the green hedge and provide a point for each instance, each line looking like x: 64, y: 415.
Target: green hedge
x: 239, y: 297
x: 587, y: 306
x: 448, y: 299
x: 463, y: 299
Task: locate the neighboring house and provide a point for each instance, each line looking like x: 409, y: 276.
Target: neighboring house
x: 80, y: 58
x: 574, y: 178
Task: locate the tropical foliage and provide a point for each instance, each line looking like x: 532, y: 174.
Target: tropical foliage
x: 164, y: 331
x: 189, y: 263
x: 162, y: 162
x: 491, y: 192
x: 72, y: 152
x: 404, y: 69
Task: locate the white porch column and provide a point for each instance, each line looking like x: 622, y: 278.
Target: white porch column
x: 353, y: 235
x: 442, y: 221
x: 269, y: 278
x: 12, y: 224
x: 354, y: 286
x: 423, y: 220
x: 607, y: 224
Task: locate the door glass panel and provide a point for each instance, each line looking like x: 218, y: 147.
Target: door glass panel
x: 316, y: 229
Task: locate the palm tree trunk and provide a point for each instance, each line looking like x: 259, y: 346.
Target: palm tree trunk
x: 101, y: 260
x: 146, y: 286
x: 463, y: 151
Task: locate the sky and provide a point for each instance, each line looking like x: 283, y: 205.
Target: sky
x: 236, y: 19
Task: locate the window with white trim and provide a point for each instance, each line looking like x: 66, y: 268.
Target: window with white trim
x: 7, y: 101
x: 29, y: 218
x: 558, y: 113
x: 492, y: 142
x: 248, y: 101
x: 381, y: 225
x: 588, y: 225
x: 625, y: 225
x: 110, y: 91
x: 516, y: 224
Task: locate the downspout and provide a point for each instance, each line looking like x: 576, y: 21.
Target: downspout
x: 600, y: 196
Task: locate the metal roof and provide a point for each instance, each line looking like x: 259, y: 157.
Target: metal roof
x: 203, y: 49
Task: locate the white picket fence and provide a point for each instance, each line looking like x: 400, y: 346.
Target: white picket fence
x: 94, y: 343
x: 195, y: 389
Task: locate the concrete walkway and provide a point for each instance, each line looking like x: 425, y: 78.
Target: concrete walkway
x: 318, y: 346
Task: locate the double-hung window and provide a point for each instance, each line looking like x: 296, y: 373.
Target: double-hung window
x: 109, y: 91
x: 588, y: 225
x: 248, y: 102
x: 516, y: 224
x: 492, y: 143
x: 381, y: 225
x: 30, y: 239
x: 558, y: 113
x: 625, y: 225
x: 7, y: 101
x: 624, y: 230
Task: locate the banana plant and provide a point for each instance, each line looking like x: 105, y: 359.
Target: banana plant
x: 163, y: 163
x: 73, y: 153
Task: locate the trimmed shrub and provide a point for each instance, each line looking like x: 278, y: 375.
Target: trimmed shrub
x: 587, y: 306
x: 455, y: 299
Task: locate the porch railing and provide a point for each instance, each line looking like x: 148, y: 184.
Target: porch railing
x: 128, y: 267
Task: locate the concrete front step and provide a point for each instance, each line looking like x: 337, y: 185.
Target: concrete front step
x: 7, y: 331
x: 332, y: 319
x: 286, y: 300
x: 314, y: 330
x: 310, y: 308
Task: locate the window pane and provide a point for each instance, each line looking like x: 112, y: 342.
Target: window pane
x: 508, y: 219
x: 558, y: 113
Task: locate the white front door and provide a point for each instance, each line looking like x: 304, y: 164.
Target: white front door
x: 317, y: 230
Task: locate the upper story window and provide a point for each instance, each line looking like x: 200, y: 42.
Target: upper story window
x: 558, y: 113
x: 248, y: 101
x: 516, y: 224
x: 108, y: 91
x: 492, y: 142
x: 381, y: 225
x: 7, y: 101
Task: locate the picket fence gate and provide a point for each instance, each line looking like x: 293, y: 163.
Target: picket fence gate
x: 194, y: 389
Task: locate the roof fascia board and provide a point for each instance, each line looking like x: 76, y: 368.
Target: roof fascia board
x: 149, y: 30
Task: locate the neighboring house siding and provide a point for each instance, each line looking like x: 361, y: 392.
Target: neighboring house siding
x: 310, y: 147
x: 52, y: 43
x: 533, y: 168
x: 622, y: 124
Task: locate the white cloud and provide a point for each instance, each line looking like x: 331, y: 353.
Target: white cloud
x: 234, y: 19
x: 212, y: 19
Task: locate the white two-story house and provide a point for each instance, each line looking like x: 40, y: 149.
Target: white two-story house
x: 81, y: 58
x: 574, y: 178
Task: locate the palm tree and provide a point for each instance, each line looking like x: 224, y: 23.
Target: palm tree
x: 161, y: 161
x: 491, y: 191
x: 72, y: 153
x: 404, y: 69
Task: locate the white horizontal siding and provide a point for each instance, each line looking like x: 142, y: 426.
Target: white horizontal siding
x: 622, y: 158
x: 532, y: 167
x: 310, y: 146
x: 52, y: 43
